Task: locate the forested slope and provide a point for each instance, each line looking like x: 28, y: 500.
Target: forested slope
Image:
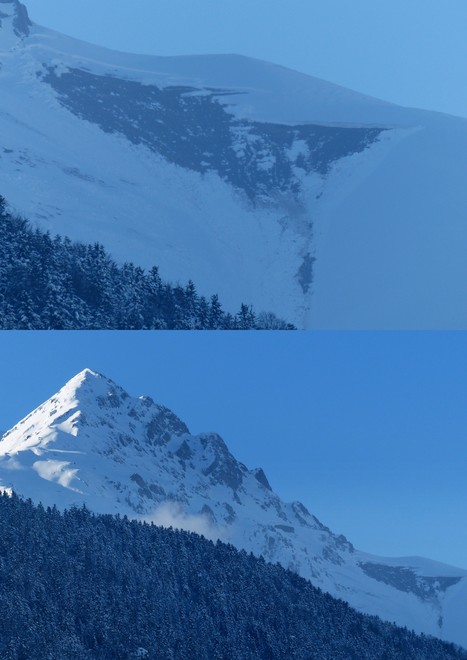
x: 81, y: 586
x: 53, y: 283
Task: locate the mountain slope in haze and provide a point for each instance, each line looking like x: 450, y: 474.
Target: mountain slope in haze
x: 92, y: 443
x: 330, y: 208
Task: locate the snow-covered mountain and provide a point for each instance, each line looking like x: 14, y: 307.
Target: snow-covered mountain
x: 332, y: 209
x: 93, y: 443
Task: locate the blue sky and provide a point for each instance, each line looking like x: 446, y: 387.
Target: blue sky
x: 411, y: 53
x: 368, y: 430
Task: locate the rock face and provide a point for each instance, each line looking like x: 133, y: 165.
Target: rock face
x: 264, y: 160
x: 324, y: 206
x: 14, y: 15
x: 93, y: 443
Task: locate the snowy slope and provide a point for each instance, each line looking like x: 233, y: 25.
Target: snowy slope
x: 93, y: 443
x: 332, y: 209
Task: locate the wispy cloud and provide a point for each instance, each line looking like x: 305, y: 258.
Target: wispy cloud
x: 12, y: 464
x: 171, y: 514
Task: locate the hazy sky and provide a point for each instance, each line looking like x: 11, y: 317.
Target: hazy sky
x: 368, y: 430
x: 409, y: 52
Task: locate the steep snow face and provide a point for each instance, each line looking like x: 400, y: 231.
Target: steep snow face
x: 171, y: 161
x: 88, y: 418
x: 332, y: 209
x: 93, y: 443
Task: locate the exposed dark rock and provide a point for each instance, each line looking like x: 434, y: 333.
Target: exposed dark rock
x: 21, y: 22
x: 261, y: 477
x: 184, y: 451
x: 224, y: 469
x: 305, y: 273
x: 405, y: 579
x: 111, y: 400
x: 163, y: 426
x: 195, y: 129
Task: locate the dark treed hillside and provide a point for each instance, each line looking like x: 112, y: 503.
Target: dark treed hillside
x: 81, y: 586
x: 54, y: 283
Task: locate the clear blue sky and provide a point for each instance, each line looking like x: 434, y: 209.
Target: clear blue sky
x: 409, y: 52
x: 368, y: 430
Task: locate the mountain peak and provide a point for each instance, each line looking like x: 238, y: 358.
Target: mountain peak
x: 86, y: 376
x: 94, y: 414
x: 14, y: 18
x: 91, y: 383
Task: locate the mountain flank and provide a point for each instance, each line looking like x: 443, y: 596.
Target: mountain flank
x: 93, y: 444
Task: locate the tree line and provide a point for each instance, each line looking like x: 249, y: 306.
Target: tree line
x: 54, y: 283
